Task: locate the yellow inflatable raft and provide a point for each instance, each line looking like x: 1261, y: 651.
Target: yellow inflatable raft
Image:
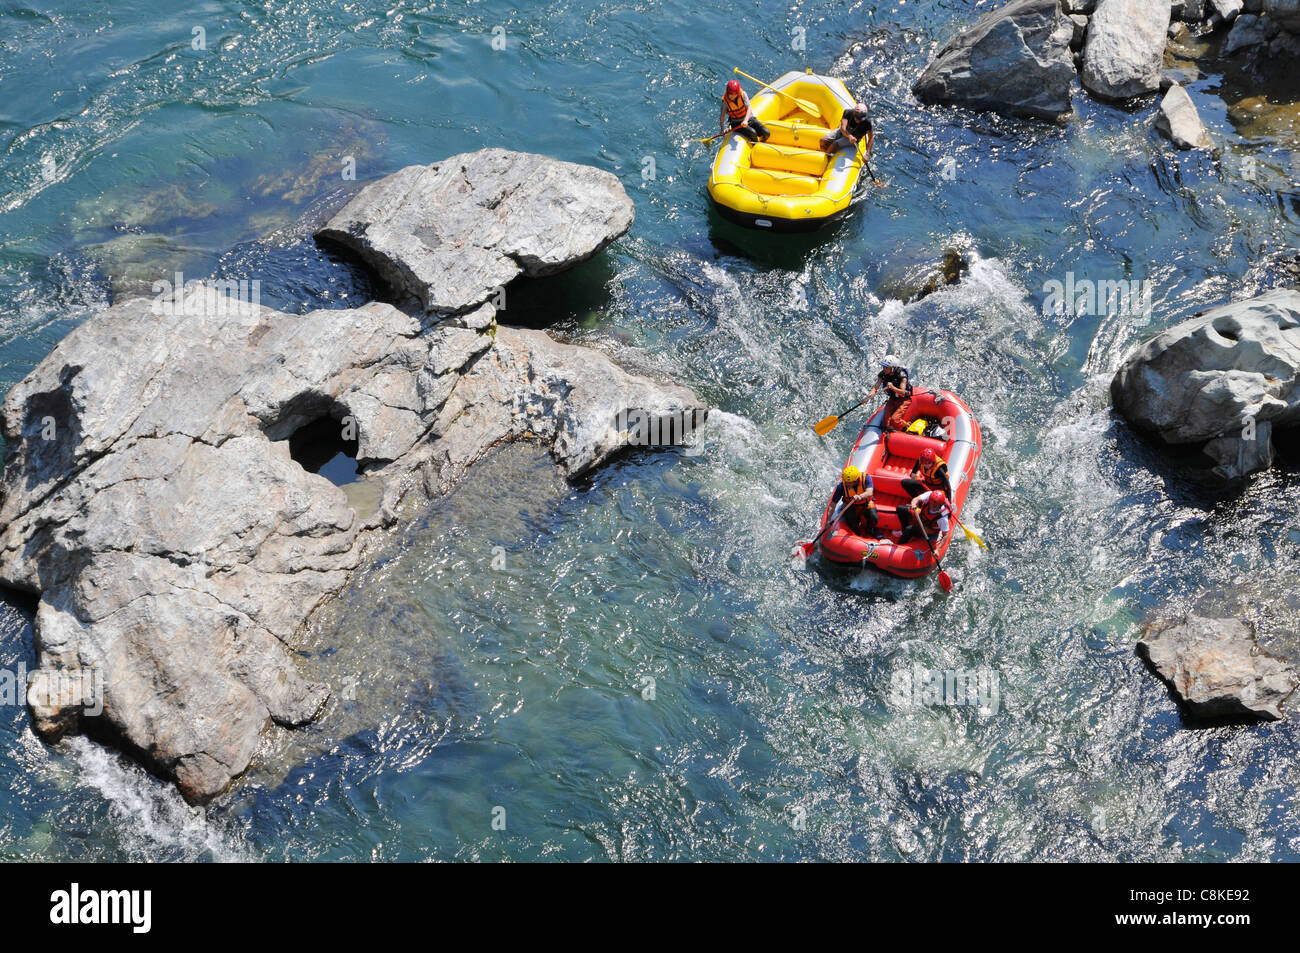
x: 787, y: 183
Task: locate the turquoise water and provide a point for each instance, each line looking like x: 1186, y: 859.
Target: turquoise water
x: 467, y: 693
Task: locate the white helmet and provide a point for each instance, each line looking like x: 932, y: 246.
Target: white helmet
x: 889, y: 360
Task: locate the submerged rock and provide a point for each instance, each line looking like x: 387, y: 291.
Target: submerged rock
x: 912, y: 283
x: 1014, y: 60
x: 1125, y: 48
x: 1217, y: 670
x: 1219, y: 376
x: 452, y: 233
x: 153, y: 501
x: 1179, y: 122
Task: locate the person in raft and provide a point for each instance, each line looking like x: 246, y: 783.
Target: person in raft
x: 898, y: 391
x: 929, y: 472
x: 859, y: 513
x: 926, y: 515
x: 854, y: 124
x: 735, y: 110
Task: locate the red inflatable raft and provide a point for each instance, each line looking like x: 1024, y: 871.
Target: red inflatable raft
x: 888, y: 458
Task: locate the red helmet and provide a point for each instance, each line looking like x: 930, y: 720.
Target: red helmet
x: 927, y: 456
x: 938, y: 501
x: 733, y: 87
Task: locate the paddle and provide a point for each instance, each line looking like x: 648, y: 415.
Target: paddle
x: 805, y: 547
x: 827, y: 424
x: 803, y: 104
x: 945, y: 581
x: 971, y: 534
x: 705, y: 142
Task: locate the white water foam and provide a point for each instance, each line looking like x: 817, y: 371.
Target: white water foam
x: 148, y: 816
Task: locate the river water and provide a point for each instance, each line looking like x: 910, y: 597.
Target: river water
x: 632, y: 667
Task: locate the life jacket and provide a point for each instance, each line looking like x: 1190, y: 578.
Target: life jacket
x: 897, y: 378
x: 931, y: 475
x: 737, y: 108
x: 931, y: 514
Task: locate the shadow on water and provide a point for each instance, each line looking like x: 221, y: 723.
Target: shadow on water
x: 573, y: 299
x: 790, y: 251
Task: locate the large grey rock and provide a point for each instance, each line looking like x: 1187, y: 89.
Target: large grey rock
x: 1179, y: 122
x: 1219, y: 376
x: 1125, y: 48
x: 1247, y: 32
x: 1014, y: 60
x: 151, y: 502
x: 1217, y: 669
x: 450, y: 234
x: 1225, y: 11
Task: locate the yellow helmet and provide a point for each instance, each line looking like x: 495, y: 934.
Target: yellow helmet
x: 851, y: 474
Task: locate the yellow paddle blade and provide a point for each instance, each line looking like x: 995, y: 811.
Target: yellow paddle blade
x: 970, y: 534
x: 826, y: 425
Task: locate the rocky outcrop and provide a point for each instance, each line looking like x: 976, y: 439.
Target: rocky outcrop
x: 1248, y: 31
x: 1179, y: 122
x: 153, y: 503
x: 1014, y: 60
x: 1223, y: 379
x: 1217, y: 670
x: 1125, y: 48
x: 450, y: 234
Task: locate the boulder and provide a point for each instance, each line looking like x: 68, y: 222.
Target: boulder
x: 1084, y: 7
x: 1219, y: 376
x: 1125, y: 48
x: 451, y: 234
x: 1014, y: 60
x: 1285, y: 13
x: 1080, y: 31
x: 1225, y: 11
x: 1248, y: 31
x: 1217, y: 670
x: 912, y: 282
x: 154, y: 502
x: 1179, y: 122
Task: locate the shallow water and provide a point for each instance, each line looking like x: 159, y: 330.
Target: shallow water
x: 493, y: 663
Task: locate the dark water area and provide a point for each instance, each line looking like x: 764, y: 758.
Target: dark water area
x: 631, y: 667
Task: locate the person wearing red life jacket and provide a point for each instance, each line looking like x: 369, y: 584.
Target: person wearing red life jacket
x: 736, y: 111
x: 927, y: 516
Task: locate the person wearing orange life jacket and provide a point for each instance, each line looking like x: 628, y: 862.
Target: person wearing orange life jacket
x: 859, y: 511
x: 929, y: 472
x: 927, y: 515
x: 736, y: 111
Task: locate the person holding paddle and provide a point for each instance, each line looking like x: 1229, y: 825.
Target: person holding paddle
x: 859, y: 512
x: 927, y: 515
x: 854, y: 124
x: 736, y: 111
x: 898, y: 390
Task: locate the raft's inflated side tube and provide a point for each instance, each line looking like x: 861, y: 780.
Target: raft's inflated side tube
x: 788, y: 184
x: 888, y: 458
